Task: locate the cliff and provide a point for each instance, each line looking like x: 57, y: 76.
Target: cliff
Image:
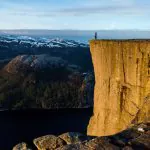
x: 122, y: 85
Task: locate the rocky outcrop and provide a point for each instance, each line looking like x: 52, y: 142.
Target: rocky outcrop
x: 48, y: 142
x: 95, y: 144
x: 122, y: 85
x: 73, y: 137
x: 143, y: 141
x: 135, y: 137
x: 21, y: 146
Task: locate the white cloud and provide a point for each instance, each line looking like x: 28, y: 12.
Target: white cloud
x: 103, y: 13
x: 80, y: 11
x: 92, y: 7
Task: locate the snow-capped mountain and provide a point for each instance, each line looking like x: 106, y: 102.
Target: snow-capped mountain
x: 40, y: 41
x: 34, y: 62
x: 72, y: 51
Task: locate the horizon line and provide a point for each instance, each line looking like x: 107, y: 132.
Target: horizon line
x: 79, y: 29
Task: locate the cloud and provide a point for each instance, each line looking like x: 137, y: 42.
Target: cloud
x: 125, y: 10
x: 109, y: 14
x: 94, y: 7
x: 83, y: 11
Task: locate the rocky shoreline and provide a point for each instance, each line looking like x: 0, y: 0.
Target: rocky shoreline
x: 136, y: 137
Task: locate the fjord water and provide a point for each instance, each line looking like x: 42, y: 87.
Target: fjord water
x: 25, y: 125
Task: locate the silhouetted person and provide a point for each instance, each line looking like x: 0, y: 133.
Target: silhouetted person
x: 95, y: 35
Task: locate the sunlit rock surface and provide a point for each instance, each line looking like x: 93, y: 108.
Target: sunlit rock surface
x: 21, y: 146
x: 122, y: 85
x: 48, y: 142
x: 73, y: 137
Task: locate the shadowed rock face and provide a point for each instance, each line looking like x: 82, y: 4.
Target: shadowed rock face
x: 122, y: 85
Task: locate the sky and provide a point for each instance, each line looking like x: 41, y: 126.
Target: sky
x: 75, y: 14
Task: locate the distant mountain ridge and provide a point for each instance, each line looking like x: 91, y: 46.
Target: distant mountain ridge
x: 87, y: 34
x: 40, y: 41
x: 74, y: 51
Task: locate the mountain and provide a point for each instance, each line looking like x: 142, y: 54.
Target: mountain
x: 74, y: 52
x: 34, y: 62
x: 28, y: 41
x: 44, y: 72
x: 44, y: 81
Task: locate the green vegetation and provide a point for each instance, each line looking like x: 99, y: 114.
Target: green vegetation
x: 41, y: 90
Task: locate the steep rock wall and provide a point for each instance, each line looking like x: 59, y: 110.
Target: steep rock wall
x: 122, y: 85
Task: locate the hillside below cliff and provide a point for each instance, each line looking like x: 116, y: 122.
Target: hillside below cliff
x: 44, y: 82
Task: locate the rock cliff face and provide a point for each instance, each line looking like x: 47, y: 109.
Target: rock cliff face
x: 122, y: 85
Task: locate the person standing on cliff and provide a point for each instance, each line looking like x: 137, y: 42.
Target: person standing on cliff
x: 95, y: 35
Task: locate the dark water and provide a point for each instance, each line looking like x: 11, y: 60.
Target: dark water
x: 19, y: 126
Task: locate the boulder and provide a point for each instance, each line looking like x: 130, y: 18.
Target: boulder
x: 73, y: 137
x: 94, y: 144
x: 142, y: 142
x: 21, y: 146
x: 122, y: 85
x: 122, y: 139
x: 101, y: 143
x: 77, y: 146
x: 128, y: 139
x: 48, y: 142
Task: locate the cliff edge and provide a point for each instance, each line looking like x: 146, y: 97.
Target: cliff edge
x: 122, y: 85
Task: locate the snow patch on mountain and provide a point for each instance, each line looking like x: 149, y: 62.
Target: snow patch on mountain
x: 25, y: 38
x: 41, y: 41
